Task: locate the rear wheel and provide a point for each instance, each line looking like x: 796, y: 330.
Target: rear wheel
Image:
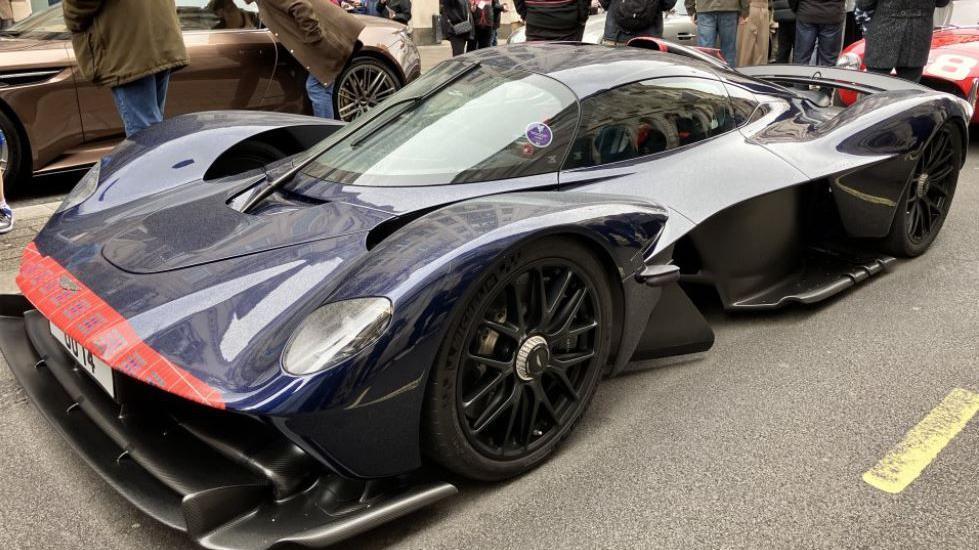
x: 14, y: 156
x: 924, y: 207
x: 363, y: 84
x: 522, y: 362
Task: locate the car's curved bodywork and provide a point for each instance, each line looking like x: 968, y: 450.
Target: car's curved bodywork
x: 63, y: 122
x: 173, y: 281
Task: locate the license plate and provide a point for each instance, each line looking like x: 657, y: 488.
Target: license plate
x: 88, y: 362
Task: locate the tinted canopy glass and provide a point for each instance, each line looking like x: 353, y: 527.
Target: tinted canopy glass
x: 483, y: 125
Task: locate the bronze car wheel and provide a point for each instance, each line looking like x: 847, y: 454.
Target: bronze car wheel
x: 362, y: 85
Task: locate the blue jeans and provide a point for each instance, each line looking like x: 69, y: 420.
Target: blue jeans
x: 712, y: 25
x: 321, y: 96
x: 825, y: 39
x: 140, y: 103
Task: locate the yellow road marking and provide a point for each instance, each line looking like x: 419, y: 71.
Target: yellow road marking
x: 905, y: 462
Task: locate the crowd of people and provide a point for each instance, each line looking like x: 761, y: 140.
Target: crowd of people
x: 322, y: 36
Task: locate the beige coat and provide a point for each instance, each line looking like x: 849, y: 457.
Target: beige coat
x: 119, y: 42
x: 321, y: 35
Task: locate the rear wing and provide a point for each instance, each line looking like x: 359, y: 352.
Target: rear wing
x: 846, y: 79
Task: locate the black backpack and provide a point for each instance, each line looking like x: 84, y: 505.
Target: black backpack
x: 636, y: 15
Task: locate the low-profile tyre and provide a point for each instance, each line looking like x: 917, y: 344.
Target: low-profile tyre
x: 521, y: 362
x: 14, y: 156
x: 925, y: 204
x: 364, y: 83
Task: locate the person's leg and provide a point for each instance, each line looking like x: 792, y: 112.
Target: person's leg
x: 910, y: 73
x: 785, y: 38
x: 320, y: 96
x: 727, y: 31
x: 471, y: 44
x: 707, y: 29
x: 162, y: 86
x: 879, y: 70
x: 137, y: 104
x: 495, y: 41
x: 805, y: 42
x: 458, y: 45
x: 484, y: 37
x: 6, y: 214
x: 830, y: 42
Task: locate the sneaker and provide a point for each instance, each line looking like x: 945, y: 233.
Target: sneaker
x: 6, y: 220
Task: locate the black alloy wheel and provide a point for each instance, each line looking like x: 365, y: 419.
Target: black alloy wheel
x: 926, y: 203
x: 524, y: 363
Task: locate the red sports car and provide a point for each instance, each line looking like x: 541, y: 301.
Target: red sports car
x: 953, y: 64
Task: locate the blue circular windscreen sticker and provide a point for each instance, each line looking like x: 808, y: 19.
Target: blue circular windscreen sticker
x: 539, y: 134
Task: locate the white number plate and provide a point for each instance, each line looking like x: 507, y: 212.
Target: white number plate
x: 90, y: 363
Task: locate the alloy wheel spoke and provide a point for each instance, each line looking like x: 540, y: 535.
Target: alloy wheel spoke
x: 514, y: 413
x: 568, y: 360
x: 570, y: 310
x: 505, y: 329
x: 494, y: 410
x: 514, y: 310
x: 566, y: 385
x: 498, y: 364
x: 485, y: 390
x: 545, y: 402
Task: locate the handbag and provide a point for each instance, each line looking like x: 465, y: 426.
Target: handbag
x: 462, y: 27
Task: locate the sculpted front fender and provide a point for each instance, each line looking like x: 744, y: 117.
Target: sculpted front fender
x: 427, y: 268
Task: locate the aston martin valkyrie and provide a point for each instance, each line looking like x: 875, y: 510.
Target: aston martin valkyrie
x: 291, y: 351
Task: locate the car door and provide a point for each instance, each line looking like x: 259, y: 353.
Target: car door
x: 232, y: 66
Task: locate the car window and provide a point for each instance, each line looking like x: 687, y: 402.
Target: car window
x: 205, y: 15
x: 487, y: 125
x: 645, y: 118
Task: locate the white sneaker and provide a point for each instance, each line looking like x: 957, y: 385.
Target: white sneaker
x: 6, y: 220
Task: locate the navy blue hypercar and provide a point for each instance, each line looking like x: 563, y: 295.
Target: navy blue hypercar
x: 261, y: 327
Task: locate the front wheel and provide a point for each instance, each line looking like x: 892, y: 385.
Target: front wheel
x: 521, y: 363
x: 363, y: 84
x: 924, y: 207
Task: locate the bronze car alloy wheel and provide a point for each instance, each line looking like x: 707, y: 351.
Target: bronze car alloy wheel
x: 362, y: 85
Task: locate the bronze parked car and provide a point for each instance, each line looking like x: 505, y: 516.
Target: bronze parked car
x: 52, y: 119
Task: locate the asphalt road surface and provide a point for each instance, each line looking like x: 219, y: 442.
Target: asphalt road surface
x: 760, y: 443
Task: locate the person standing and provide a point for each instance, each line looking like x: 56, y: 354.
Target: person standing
x: 457, y: 25
x: 851, y: 30
x: 717, y: 20
x: 899, y: 35
x: 819, y: 29
x: 395, y: 10
x: 6, y: 14
x: 131, y: 47
x: 555, y: 20
x: 628, y: 19
x: 499, y: 8
x: 321, y: 36
x: 785, y: 35
x: 754, y: 34
x: 483, y: 19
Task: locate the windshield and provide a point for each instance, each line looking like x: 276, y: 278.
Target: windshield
x: 486, y: 125
x: 46, y: 23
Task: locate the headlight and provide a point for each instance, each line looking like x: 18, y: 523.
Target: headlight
x: 335, y: 332
x: 84, y: 189
x: 849, y: 61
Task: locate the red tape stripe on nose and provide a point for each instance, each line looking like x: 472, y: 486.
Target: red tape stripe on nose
x: 81, y: 314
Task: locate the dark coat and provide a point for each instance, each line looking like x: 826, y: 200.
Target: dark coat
x: 822, y: 12
x: 398, y: 10
x: 616, y: 33
x: 118, y: 42
x: 318, y: 33
x: 783, y: 10
x: 454, y: 12
x: 899, y: 32
x: 552, y: 19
